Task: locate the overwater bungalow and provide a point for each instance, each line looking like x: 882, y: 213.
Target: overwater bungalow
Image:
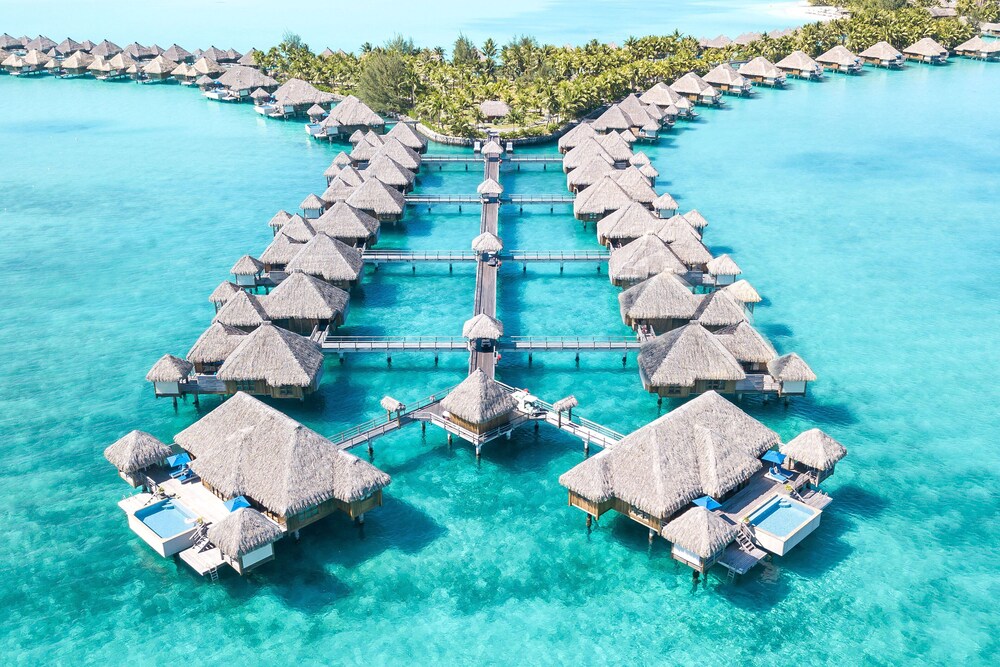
x: 600, y: 199
x: 696, y: 89
x: 279, y: 220
x: 238, y: 81
x: 273, y: 362
x: 482, y: 332
x: 617, y: 146
x: 106, y: 49
x: 206, y: 67
x: 986, y: 28
x: 723, y: 270
x: 658, y: 304
x: 365, y: 147
x: 167, y: 375
x: 402, y: 155
x: 724, y: 77
x: 761, y: 70
x: 670, y: 102
x: 665, y: 205
x: 815, y: 451
x: 840, y: 59
x: 792, y: 373
x: 489, y: 191
x: 696, y: 220
x: 218, y: 55
x: 717, y: 310
x: 159, y: 69
x: 375, y: 197
x: 280, y: 252
x: 697, y: 477
x: 349, y: 115
x: 134, y: 454
x: 479, y: 404
x: 585, y: 151
x: 243, y: 311
x: 799, y: 64
x: 978, y: 48
x: 312, y: 207
x: 315, y: 113
x: 626, y: 224
x: 635, y: 184
x: 688, y: 360
x: 293, y: 98
x: 390, y: 172
x: 685, y: 244
x: 575, y: 136
x: 643, y: 258
x: 329, y: 259
x: 487, y: 245
x: 747, y: 346
x: 178, y: 54
x: 120, y: 66
x: 31, y: 63
x: 214, y: 346
x: 747, y: 38
x: 719, y: 42
x: 744, y: 292
x: 184, y: 74
x: 339, y: 162
x: 926, y: 50
x: 349, y: 225
x: 299, y: 229
x: 406, y: 134
x: 630, y: 115
x: 138, y: 52
x: 40, y: 43
x: 342, y: 186
x: 596, y: 167
x: 247, y: 271
x: 302, y: 304
x: 10, y: 44
x: 243, y: 476
x: 250, y: 59
x: 223, y: 293
x: 69, y: 46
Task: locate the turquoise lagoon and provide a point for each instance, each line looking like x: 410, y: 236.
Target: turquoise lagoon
x: 864, y: 209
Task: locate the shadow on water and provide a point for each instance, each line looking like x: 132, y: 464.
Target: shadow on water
x: 776, y: 330
x: 717, y: 250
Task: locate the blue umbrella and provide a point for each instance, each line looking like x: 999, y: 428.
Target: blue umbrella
x: 236, y: 503
x: 707, y: 502
x: 773, y: 457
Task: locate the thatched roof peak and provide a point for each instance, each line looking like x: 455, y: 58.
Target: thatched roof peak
x: 646, y: 256
x: 241, y: 77
x: 135, y: 451
x: 387, y: 170
x: 279, y: 219
x: 663, y: 296
x: 815, y: 449
x: 312, y: 202
x: 701, y: 532
x: 375, y: 196
x: 719, y: 42
x: 576, y: 135
x: 487, y: 242
x: 489, y: 187
x: 628, y: 222
x: 584, y: 151
x: 247, y: 265
x: 223, y: 293
x: 723, y: 265
x: 882, y: 51
x: 298, y: 93
x: 746, y: 343
x: 494, y: 108
x: 926, y: 47
x: 761, y: 67
x: 169, y: 369
x: 482, y: 326
x: 329, y: 259
x: 301, y: 296
x: 298, y: 229
x: 281, y: 249
x: 243, y: 531
x: 798, y: 60
x: 242, y: 310
x: 405, y: 134
x: 343, y: 221
x: 277, y: 356
x: 743, y: 292
x: 685, y: 355
x: 790, y: 368
x: 719, y: 309
x: 478, y: 399
x: 603, y: 196
x: 838, y: 55
x: 351, y: 111
x: 215, y: 343
x: 696, y: 219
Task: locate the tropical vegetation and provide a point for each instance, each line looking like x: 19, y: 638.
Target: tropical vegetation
x: 545, y: 86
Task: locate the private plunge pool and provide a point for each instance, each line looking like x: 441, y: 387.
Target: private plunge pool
x: 782, y: 522
x: 167, y: 526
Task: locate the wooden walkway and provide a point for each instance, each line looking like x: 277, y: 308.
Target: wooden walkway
x: 377, y: 257
x: 515, y: 343
x: 485, y: 300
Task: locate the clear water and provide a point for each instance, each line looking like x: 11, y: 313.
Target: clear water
x: 261, y: 23
x: 167, y: 518
x: 780, y: 517
x: 865, y: 216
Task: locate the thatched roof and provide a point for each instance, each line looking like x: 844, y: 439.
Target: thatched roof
x: 375, y: 196
x: 296, y: 92
x: 329, y: 259
x: 815, y: 449
x: 726, y: 75
x: 242, y: 310
x: 387, y: 170
x: 692, y: 84
x: 169, y: 369
x: 404, y: 156
x: 665, y: 202
x: 343, y: 221
x: 487, y: 242
x: 489, y: 187
x: 707, y: 446
x: 298, y: 229
x: 241, y: 77
x: 627, y: 223
x: 339, y: 190
x: 685, y: 355
x: 743, y: 291
x: 78, y: 60
x: 405, y: 134
x: 616, y: 145
x: 280, y: 219
x: 482, y: 326
x: 41, y: 43
x: 690, y: 250
x: 592, y: 170
x: 723, y: 265
x: 390, y: 404
x: 352, y: 111
x: 564, y: 404
x: 315, y: 111
x: 882, y: 51
x: 243, y: 531
x: 159, y: 65
x: 696, y: 219
x: 926, y: 47
x: 719, y: 309
x: 478, y: 399
x: 790, y: 368
x: 135, y: 451
x: 249, y: 59
x: 106, y: 49
x: 247, y: 448
x: 343, y: 159
x: 701, y: 532
x: 746, y: 343
x: 223, y: 293
x: 586, y: 150
x: 492, y: 148
x: 312, y: 202
x: 664, y: 96
x: 760, y: 67
x: 663, y: 296
x: 838, y: 55
x: 647, y: 256
x: 177, y: 53
x: 349, y: 176
x: 576, y: 135
x: 719, y: 42
x: 616, y: 119
x: 183, y: 70
x: 281, y: 250
x: 277, y: 356
x: 246, y: 266
x: 494, y: 108
x: 301, y: 296
x: 746, y: 38
x: 603, y: 196
x: 365, y: 148
x: 639, y: 159
x: 635, y: 184
x: 137, y: 50
x: 206, y: 66
x: 260, y: 95
x: 214, y: 53
x: 798, y: 60
x: 204, y: 80
x: 215, y: 344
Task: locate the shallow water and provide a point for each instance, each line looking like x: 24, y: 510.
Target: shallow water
x: 870, y: 230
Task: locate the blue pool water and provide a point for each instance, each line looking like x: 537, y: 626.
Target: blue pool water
x: 866, y: 218
x: 166, y: 518
x: 780, y: 517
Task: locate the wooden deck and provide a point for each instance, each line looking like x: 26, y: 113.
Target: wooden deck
x: 485, y: 300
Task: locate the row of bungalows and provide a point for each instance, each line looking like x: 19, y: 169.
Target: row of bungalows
x: 714, y: 482
x: 261, y: 344
x: 238, y: 82
x: 364, y: 191
x: 292, y: 99
x: 235, y: 482
x: 642, y: 120
x: 348, y: 116
x: 979, y: 49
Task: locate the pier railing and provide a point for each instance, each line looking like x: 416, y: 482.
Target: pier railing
x: 419, y: 256
x: 365, y: 431
x: 395, y: 343
x: 572, y: 343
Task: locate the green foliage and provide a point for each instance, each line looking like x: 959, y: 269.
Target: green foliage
x: 464, y: 52
x: 386, y: 81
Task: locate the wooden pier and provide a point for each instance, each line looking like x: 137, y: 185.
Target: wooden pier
x: 458, y: 256
x: 343, y: 344
x: 519, y: 200
x: 485, y: 301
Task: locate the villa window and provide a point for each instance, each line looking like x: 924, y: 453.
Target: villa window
x: 673, y: 390
x: 309, y: 512
x: 246, y: 385
x: 715, y: 385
